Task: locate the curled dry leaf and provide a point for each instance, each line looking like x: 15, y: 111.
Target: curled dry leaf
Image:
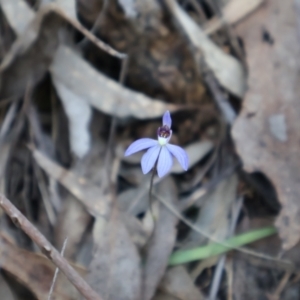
x: 162, y: 241
x: 35, y: 271
x: 228, y: 70
x: 267, y: 132
x: 101, y: 92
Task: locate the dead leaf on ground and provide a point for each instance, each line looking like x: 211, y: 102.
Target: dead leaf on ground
x: 267, y: 132
x: 161, y: 243
x: 115, y: 268
x: 177, y: 282
x: 227, y: 69
x: 70, y: 72
x: 233, y: 12
x: 68, y: 6
x: 90, y: 195
x: 73, y: 218
x: 72, y: 224
x: 35, y: 271
x: 103, y: 93
x: 87, y: 192
x: 30, y: 56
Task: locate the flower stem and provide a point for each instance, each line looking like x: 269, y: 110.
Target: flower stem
x: 150, y: 191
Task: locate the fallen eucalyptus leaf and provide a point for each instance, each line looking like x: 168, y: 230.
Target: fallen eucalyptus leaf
x: 115, y: 268
x: 101, y: 92
x: 162, y: 241
x: 233, y: 12
x: 267, y: 131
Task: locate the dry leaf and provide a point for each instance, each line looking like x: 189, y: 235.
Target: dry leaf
x: 72, y: 223
x: 267, y: 132
x: 177, y: 282
x: 35, y: 271
x: 103, y: 93
x: 90, y: 195
x: 31, y: 54
x: 226, y: 68
x: 68, y: 6
x: 232, y: 13
x: 162, y: 241
x: 18, y: 14
x: 72, y: 71
x: 79, y: 115
x: 115, y: 268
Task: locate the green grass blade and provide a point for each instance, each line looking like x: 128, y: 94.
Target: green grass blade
x: 213, y: 249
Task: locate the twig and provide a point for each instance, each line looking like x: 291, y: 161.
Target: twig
x: 87, y: 33
x: 98, y: 21
x: 280, y: 288
x: 57, y: 271
x: 47, y: 249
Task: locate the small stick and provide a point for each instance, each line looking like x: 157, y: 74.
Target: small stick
x: 57, y: 271
x: 47, y: 249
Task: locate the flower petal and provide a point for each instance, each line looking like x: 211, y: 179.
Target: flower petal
x: 165, y: 162
x: 180, y: 154
x: 139, y: 145
x: 149, y: 158
x: 167, y: 119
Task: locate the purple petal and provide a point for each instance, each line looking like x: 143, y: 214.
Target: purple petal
x: 165, y: 162
x: 139, y: 145
x: 149, y: 158
x: 180, y: 154
x: 167, y: 119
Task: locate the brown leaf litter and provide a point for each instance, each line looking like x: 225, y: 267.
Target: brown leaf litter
x: 267, y: 132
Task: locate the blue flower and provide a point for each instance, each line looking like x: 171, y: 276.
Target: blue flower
x: 160, y: 152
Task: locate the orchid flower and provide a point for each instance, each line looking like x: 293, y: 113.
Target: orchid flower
x: 160, y: 153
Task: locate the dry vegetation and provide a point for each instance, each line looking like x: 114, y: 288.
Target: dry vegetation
x: 81, y: 80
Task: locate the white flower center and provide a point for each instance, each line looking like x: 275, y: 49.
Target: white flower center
x: 162, y: 141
